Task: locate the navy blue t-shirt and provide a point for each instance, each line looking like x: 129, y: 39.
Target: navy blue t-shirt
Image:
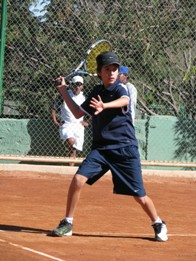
x: 112, y: 128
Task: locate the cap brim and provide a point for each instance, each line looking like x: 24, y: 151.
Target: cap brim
x: 111, y: 63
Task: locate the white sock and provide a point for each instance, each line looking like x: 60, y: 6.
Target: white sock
x: 158, y: 220
x: 69, y: 220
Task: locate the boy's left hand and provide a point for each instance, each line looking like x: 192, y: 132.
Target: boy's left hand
x: 98, y: 105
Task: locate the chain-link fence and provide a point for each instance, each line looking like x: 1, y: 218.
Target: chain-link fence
x: 155, y: 39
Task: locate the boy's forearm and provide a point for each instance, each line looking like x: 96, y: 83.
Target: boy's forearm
x: 121, y: 102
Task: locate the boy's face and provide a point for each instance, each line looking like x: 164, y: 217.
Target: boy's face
x: 109, y: 74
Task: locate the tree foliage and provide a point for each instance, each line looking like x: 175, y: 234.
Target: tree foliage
x: 155, y: 39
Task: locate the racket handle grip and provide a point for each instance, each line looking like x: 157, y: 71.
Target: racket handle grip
x: 58, y: 82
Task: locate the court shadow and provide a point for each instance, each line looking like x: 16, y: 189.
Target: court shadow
x: 114, y: 236
x: 13, y: 228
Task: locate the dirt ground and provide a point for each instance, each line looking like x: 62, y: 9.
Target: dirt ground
x: 107, y: 227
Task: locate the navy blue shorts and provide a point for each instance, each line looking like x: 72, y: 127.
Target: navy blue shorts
x: 124, y: 164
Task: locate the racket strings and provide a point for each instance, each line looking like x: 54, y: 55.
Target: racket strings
x: 93, y: 52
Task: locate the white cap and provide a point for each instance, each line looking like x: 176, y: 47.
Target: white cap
x: 77, y: 79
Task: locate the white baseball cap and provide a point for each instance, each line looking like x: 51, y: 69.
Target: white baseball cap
x: 77, y: 79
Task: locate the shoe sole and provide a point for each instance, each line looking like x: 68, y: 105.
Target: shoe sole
x: 160, y: 239
x: 54, y: 234
x: 68, y: 234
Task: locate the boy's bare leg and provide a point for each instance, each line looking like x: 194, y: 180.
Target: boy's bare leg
x: 159, y: 226
x: 65, y: 226
x: 73, y: 197
x: 148, y: 206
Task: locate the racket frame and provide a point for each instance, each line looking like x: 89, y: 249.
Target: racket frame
x: 82, y: 64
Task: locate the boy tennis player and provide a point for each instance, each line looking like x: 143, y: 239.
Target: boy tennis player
x: 114, y: 145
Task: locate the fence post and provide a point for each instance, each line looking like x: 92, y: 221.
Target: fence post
x: 2, y: 47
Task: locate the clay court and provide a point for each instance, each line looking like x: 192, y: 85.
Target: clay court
x: 107, y: 227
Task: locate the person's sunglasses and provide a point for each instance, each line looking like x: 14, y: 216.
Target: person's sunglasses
x: 77, y: 84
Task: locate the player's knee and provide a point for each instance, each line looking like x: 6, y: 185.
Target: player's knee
x: 141, y: 200
x: 79, y: 181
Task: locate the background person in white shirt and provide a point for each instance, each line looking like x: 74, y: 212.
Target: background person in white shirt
x: 71, y: 130
x: 123, y: 75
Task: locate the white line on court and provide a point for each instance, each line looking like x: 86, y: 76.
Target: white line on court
x: 31, y: 250
x: 93, y: 234
x: 181, y: 235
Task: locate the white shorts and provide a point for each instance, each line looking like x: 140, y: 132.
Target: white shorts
x: 75, y: 130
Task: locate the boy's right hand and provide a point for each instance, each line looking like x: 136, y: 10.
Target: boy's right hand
x: 59, y: 81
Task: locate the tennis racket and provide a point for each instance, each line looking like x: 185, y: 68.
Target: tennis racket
x: 88, y: 66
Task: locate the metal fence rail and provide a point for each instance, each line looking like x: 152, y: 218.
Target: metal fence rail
x: 65, y: 160
x: 155, y: 39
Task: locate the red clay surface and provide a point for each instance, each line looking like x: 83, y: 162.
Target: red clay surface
x: 107, y: 227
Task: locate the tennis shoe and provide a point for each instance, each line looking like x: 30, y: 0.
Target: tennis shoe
x: 63, y: 229
x: 160, y: 230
